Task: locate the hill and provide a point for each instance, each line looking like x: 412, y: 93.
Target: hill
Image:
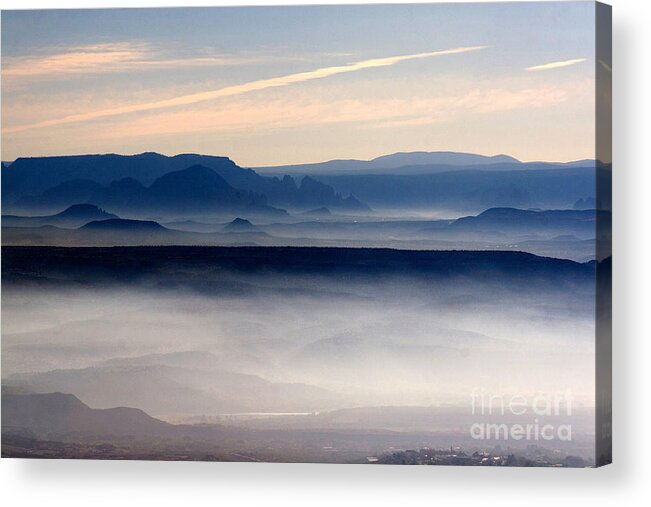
x: 118, y: 181
x: 582, y: 223
x: 240, y: 225
x: 471, y: 189
x: 124, y: 225
x: 73, y: 216
x: 438, y: 158
x: 417, y: 162
x: 203, y: 267
x: 194, y: 190
x: 318, y: 212
x: 159, y: 388
x: 62, y: 414
x: 59, y: 196
x: 37, y: 174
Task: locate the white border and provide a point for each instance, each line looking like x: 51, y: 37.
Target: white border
x: 627, y: 482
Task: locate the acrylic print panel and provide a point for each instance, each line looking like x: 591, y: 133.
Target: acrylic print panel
x: 347, y: 234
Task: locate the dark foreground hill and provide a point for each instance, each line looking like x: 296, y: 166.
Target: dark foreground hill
x: 60, y: 414
x: 208, y: 265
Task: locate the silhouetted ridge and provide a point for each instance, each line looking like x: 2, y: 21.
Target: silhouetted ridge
x: 63, y: 194
x: 397, y: 162
x: 121, y: 224
x: 240, y: 225
x: 402, y: 159
x: 41, y: 173
x: 506, y: 213
x: 116, y: 265
x: 126, y: 193
x: 83, y: 211
x: 473, y: 188
x: 65, y: 414
x: 91, y: 178
x: 319, y: 212
x: 73, y: 216
x: 580, y: 223
x: 191, y: 180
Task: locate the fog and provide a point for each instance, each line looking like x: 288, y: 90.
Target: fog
x: 292, y: 343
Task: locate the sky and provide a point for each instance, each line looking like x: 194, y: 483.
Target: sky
x: 287, y: 85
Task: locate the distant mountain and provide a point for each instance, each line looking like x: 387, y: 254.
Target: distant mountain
x: 123, y: 194
x: 507, y: 220
x: 517, y: 227
x: 74, y: 216
x: 124, y: 225
x: 152, y: 186
x: 55, y: 414
x: 163, y: 389
x: 438, y: 158
x: 240, y: 225
x: 191, y: 226
x: 84, y: 212
x: 198, y: 188
x: 418, y: 162
x: 38, y: 174
x: 127, y: 232
x: 318, y: 212
x: 191, y: 191
x: 588, y: 203
x: 471, y: 190
x: 455, y: 181
x: 119, y: 181
x: 311, y: 191
x: 192, y: 359
x: 59, y: 196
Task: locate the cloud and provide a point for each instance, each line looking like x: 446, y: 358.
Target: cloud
x: 98, y: 58
x: 476, y: 102
x: 108, y: 58
x: 556, y: 65
x: 235, y: 90
x: 307, y: 110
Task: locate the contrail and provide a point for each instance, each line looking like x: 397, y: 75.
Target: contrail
x: 240, y: 89
x: 556, y: 65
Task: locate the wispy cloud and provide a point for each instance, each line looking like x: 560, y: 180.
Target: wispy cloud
x: 108, y: 58
x: 476, y: 102
x: 235, y: 90
x: 556, y: 65
x: 96, y: 58
x: 306, y: 110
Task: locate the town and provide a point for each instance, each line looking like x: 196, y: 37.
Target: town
x: 457, y: 457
